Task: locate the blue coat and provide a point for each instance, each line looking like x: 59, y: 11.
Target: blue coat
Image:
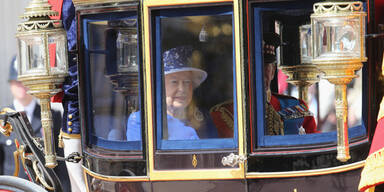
x: 177, y: 130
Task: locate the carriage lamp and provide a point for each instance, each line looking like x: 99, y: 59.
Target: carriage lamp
x: 42, y: 56
x: 305, y: 74
x: 123, y: 71
x: 338, y: 30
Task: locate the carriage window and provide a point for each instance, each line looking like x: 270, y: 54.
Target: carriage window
x: 112, y: 81
x: 298, y: 108
x: 194, y: 55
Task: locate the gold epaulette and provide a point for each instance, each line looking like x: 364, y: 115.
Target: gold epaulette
x: 274, y: 124
x: 222, y: 116
x: 372, y: 173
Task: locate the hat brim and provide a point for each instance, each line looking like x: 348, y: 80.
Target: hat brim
x: 199, y: 75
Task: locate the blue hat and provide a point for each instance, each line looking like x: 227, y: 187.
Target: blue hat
x: 179, y: 59
x: 13, y: 70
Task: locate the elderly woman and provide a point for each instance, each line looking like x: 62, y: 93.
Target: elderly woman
x: 184, y: 120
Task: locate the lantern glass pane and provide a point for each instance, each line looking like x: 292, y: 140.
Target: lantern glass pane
x: 22, y: 57
x: 337, y: 37
x: 32, y: 55
x: 126, y: 45
x: 56, y: 53
x: 305, y: 44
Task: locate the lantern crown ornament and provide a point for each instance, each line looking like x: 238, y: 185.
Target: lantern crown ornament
x: 337, y: 7
x: 37, y: 16
x: 38, y: 8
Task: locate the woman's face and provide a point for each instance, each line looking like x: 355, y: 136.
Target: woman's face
x: 179, y: 89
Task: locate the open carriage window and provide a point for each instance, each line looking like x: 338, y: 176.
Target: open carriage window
x: 111, y: 80
x: 194, y: 57
x: 295, y: 110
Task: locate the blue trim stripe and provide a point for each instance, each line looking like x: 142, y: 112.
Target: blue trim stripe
x: 199, y: 11
x: 236, y: 132
x: 159, y: 83
x: 198, y: 144
x: 310, y: 139
x: 259, y: 76
x: 116, y: 145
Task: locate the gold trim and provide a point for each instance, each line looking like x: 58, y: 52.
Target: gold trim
x: 114, y: 178
x: 372, y: 173
x: 7, y: 129
x: 200, y: 174
x: 315, y: 172
x: 148, y: 88
x: 381, y: 109
x: 7, y: 110
x: 237, y: 7
x: 158, y: 3
x: 85, y: 180
x: 69, y: 136
x: 371, y: 189
x: 194, y: 161
x: 92, y: 2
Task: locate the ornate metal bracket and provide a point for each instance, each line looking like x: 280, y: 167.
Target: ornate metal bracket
x: 74, y: 157
x: 233, y: 160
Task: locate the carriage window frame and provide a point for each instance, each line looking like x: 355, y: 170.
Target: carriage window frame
x: 264, y: 142
x: 91, y: 140
x: 199, y: 144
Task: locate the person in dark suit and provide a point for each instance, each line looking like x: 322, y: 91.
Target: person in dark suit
x: 22, y: 101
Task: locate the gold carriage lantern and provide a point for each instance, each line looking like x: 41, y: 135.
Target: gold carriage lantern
x: 43, y: 64
x: 338, y: 31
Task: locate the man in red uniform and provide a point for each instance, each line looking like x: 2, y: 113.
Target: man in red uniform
x: 283, y: 114
x: 294, y: 113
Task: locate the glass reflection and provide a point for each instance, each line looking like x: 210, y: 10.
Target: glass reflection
x: 126, y: 45
x: 36, y: 57
x: 337, y: 37
x: 181, y: 78
x: 197, y: 60
x: 284, y: 114
x: 305, y: 44
x: 56, y: 57
x: 113, y: 77
x: 294, y: 48
x: 321, y: 98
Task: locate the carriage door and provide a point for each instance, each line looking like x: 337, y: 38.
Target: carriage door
x: 192, y: 94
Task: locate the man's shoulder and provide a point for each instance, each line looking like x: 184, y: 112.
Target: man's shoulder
x: 289, y: 100
x: 280, y: 96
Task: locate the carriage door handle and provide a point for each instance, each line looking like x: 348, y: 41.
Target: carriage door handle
x: 232, y: 160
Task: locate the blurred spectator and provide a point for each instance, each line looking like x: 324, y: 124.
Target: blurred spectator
x: 22, y: 101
